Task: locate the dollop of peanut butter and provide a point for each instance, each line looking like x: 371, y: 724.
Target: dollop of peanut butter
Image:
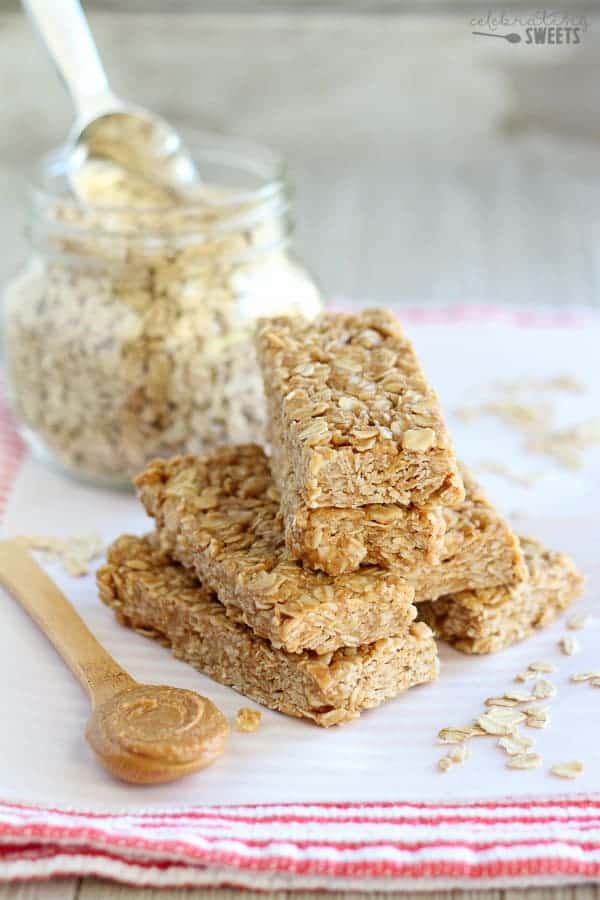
x: 155, y: 733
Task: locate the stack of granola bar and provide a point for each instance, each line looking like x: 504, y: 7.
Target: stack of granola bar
x: 309, y: 580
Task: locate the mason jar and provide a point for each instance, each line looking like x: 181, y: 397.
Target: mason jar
x: 128, y: 333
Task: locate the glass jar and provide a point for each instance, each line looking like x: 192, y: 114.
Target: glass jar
x: 128, y: 334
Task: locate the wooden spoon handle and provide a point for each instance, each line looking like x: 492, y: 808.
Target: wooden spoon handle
x: 96, y: 670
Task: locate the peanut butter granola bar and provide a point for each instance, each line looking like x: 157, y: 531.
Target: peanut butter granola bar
x: 160, y: 599
x: 339, y: 540
x: 483, y: 621
x: 479, y: 551
x: 218, y: 515
x: 351, y: 416
x: 472, y: 544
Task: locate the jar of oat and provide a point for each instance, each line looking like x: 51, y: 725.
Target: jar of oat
x: 128, y: 334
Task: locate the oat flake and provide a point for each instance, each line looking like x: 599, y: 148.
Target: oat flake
x: 515, y: 744
x: 568, y: 769
x: 524, y: 761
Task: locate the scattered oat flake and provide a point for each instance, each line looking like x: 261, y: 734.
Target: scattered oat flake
x: 526, y: 480
x: 543, y: 689
x: 521, y: 415
x: 542, y: 666
x: 568, y: 769
x: 595, y: 682
x: 505, y: 715
x: 569, y: 646
x: 515, y: 743
x: 567, y: 445
x: 533, y: 417
x: 455, y: 756
x: 75, y: 552
x: 527, y: 675
x: 577, y: 623
x: 537, y: 721
x: 535, y: 710
x: 457, y: 734
x: 500, y: 720
x: 524, y: 761
x: 76, y: 566
x: 537, y: 717
x: 459, y: 754
x: 502, y: 701
x: 519, y: 696
x: 585, y: 676
x: 247, y: 719
x: 564, y: 381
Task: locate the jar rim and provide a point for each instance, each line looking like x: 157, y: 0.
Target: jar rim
x: 254, y: 178
x: 48, y: 184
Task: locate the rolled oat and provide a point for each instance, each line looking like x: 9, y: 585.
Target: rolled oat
x: 542, y: 666
x: 515, y: 744
x: 569, y: 646
x: 76, y: 553
x: 537, y: 717
x: 585, y: 676
x: 568, y: 769
x: 524, y: 761
x: 500, y: 720
x: 543, y: 690
x: 130, y: 335
x: 457, y: 734
x: 577, y: 623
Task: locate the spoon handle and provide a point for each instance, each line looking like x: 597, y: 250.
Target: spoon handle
x: 96, y: 670
x: 66, y: 34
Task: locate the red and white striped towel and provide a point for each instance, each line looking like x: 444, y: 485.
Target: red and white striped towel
x: 379, y: 847
x: 56, y: 819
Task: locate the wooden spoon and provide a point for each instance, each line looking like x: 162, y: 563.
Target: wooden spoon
x: 142, y: 733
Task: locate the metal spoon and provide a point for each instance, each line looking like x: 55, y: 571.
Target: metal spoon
x: 106, y: 127
x: 142, y: 733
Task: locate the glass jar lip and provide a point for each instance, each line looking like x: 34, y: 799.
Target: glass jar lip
x: 49, y: 172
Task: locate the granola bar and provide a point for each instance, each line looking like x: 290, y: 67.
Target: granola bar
x: 483, y: 621
x: 480, y: 550
x: 472, y: 544
x: 162, y: 600
x: 218, y: 515
x: 339, y: 540
x: 351, y: 416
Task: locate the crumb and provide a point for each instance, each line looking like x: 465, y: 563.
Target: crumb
x: 247, y: 720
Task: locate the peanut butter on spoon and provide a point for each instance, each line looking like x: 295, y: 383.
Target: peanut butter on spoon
x: 142, y: 733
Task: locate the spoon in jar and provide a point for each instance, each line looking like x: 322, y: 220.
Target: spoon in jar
x: 142, y: 733
x: 107, y: 128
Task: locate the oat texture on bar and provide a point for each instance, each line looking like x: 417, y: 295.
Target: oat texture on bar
x: 218, y: 515
x: 483, y: 621
x: 479, y: 550
x: 351, y: 418
x: 341, y: 539
x: 440, y: 550
x: 159, y: 598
